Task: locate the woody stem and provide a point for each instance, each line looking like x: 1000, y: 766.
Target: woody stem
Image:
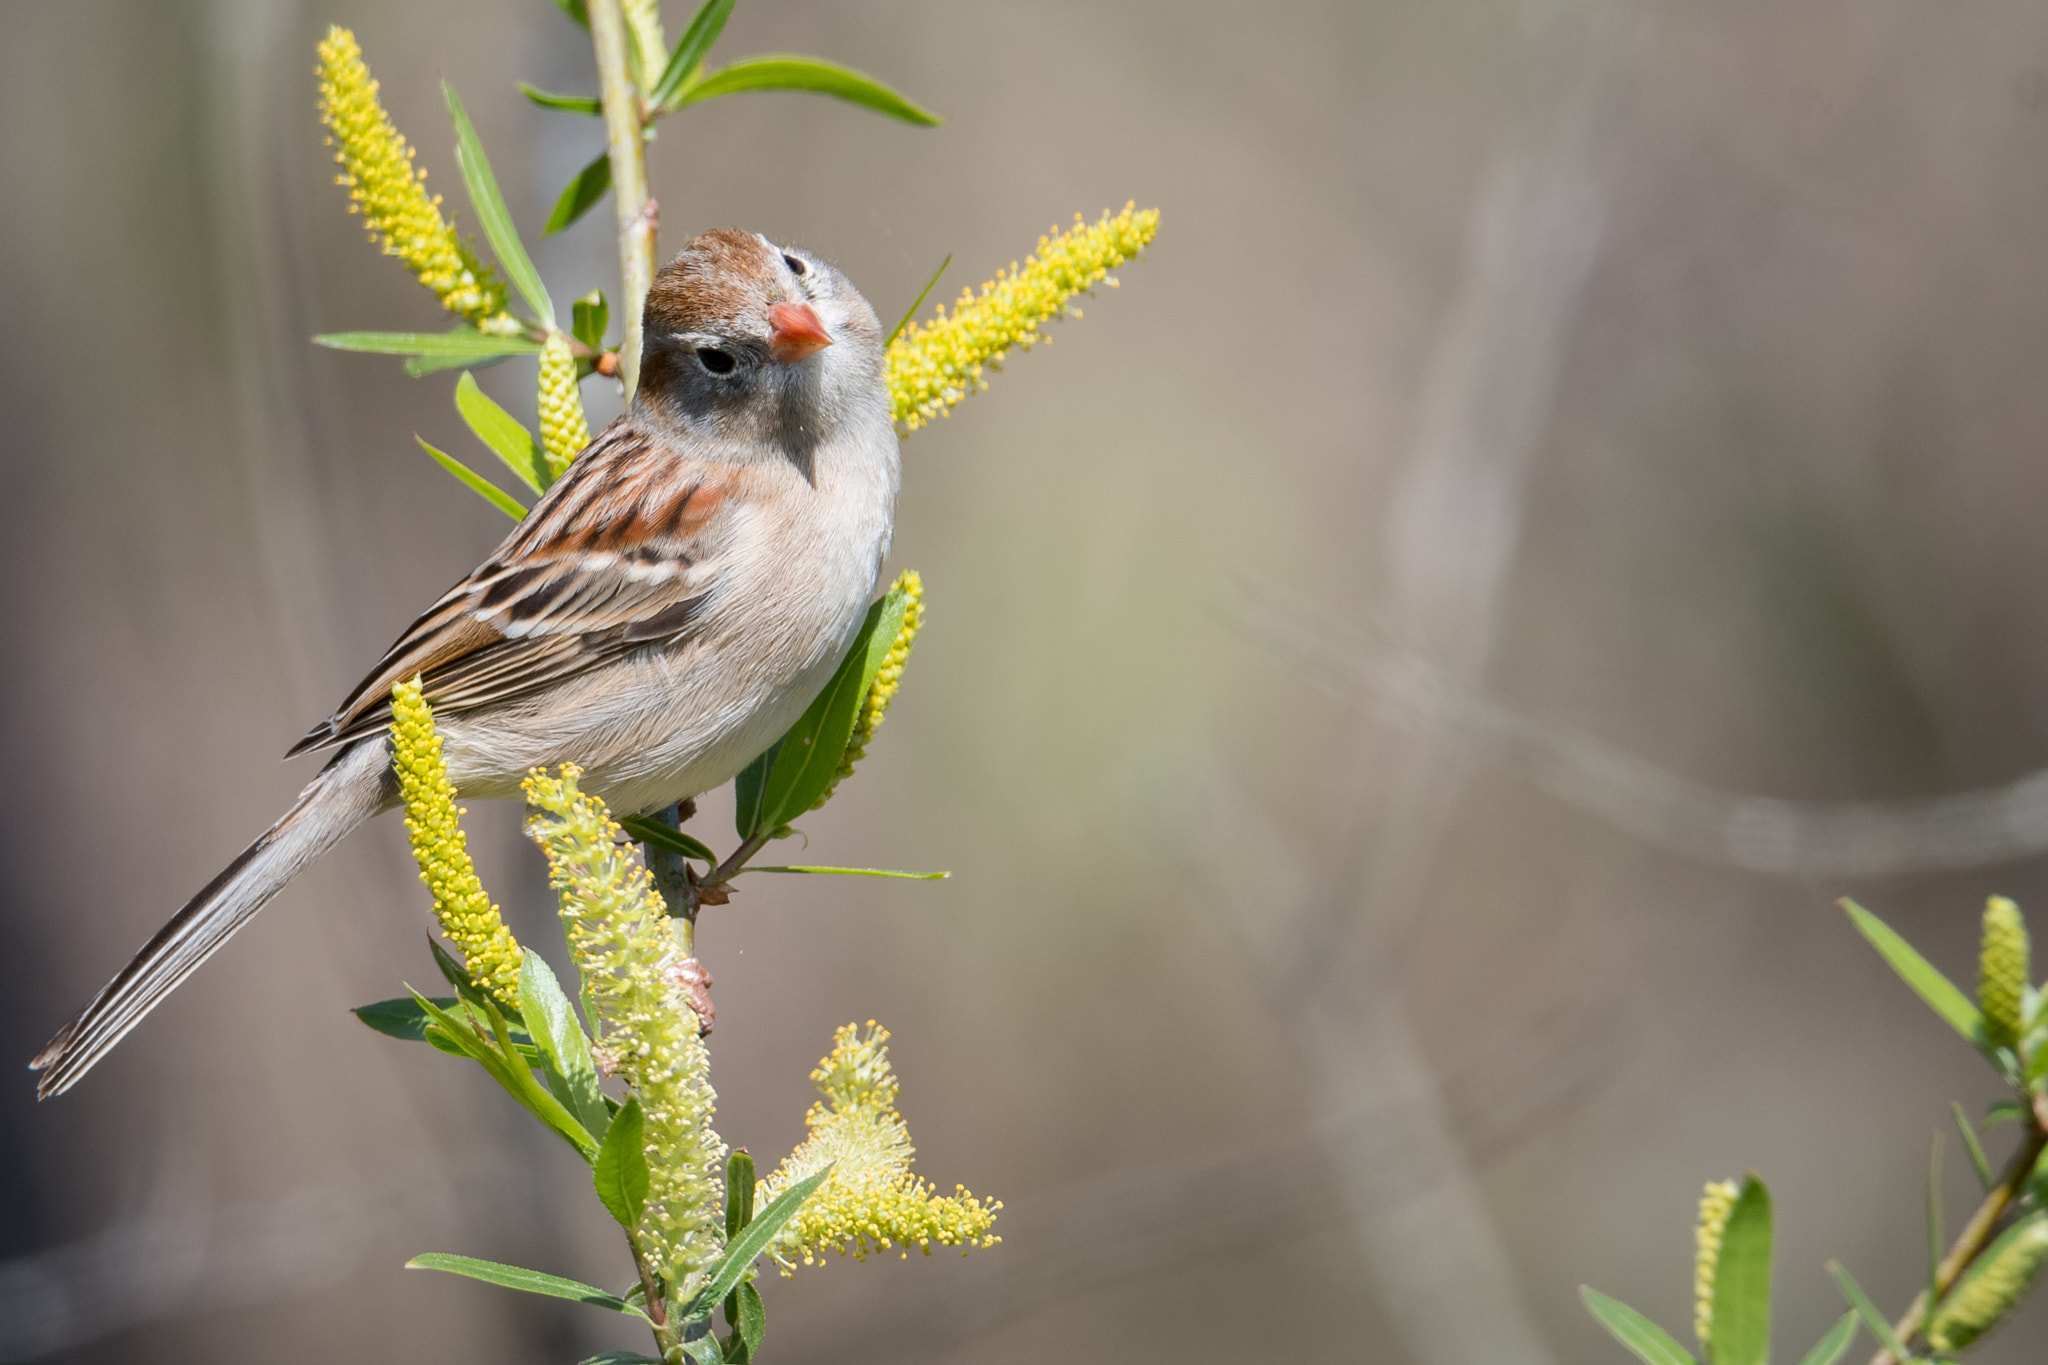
x: 1976, y: 1234
x: 625, y: 131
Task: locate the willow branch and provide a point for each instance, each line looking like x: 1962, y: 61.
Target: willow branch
x: 1976, y: 1234
x: 625, y: 130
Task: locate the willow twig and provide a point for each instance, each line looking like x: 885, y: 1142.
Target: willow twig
x: 625, y: 121
x: 1975, y: 1236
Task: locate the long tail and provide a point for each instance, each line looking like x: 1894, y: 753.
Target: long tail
x: 348, y: 791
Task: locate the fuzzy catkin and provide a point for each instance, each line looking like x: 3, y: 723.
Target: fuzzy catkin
x: 2002, y: 968
x: 433, y: 825
x: 391, y: 193
x: 563, y: 430
x: 1716, y: 1203
x: 646, y: 1032
x: 935, y: 364
x: 1992, y: 1287
x: 871, y: 1201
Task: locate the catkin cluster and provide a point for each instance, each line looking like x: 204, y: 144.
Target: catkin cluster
x: 646, y: 1032
x: 935, y: 364
x: 1716, y: 1203
x: 391, y: 193
x: 875, y: 705
x: 433, y: 825
x: 563, y: 430
x: 871, y: 1201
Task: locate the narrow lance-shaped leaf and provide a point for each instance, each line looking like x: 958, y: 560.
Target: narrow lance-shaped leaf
x: 748, y: 1316
x: 752, y: 1241
x: 403, y: 1018
x: 505, y: 434
x: 918, y: 302
x: 565, y: 1050
x: 857, y: 872
x: 475, y: 482
x: 524, y: 1280
x: 461, y: 346
x: 568, y: 104
x: 691, y: 50
x: 1867, y: 1311
x: 1916, y: 971
x: 580, y: 195
x: 1742, y: 1281
x: 812, y: 750
x: 670, y: 840
x: 739, y: 1192
x: 1650, y: 1343
x: 492, y: 213
x: 509, y: 1070
x: 588, y: 319
x: 620, y: 1171
x: 747, y: 789
x: 1835, y: 1344
x: 1978, y: 1161
x: 810, y: 74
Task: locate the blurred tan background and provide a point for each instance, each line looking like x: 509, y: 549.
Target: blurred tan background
x: 1405, y: 678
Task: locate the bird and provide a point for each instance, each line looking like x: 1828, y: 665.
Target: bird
x: 661, y: 615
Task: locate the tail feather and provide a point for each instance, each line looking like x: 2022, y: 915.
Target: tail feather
x: 348, y: 791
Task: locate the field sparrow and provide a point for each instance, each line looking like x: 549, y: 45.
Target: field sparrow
x: 660, y: 617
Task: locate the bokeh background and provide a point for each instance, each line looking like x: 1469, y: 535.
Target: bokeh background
x: 1406, y: 677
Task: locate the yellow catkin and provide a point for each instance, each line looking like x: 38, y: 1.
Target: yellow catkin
x: 1992, y: 1287
x: 888, y: 678
x: 2002, y: 969
x: 563, y: 430
x: 1716, y: 1203
x: 646, y: 1032
x: 433, y: 824
x: 935, y: 364
x: 871, y: 1202
x: 391, y: 193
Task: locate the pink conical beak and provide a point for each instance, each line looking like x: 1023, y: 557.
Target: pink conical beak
x: 795, y: 332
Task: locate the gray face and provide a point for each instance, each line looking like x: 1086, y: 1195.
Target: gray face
x: 711, y: 363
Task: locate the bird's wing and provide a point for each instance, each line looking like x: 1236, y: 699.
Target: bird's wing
x: 624, y: 550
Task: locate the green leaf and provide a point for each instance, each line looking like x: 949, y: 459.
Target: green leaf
x: 747, y: 788
x: 704, y: 1350
x: 857, y: 872
x: 566, y: 1062
x: 1742, y: 1281
x: 619, y: 1358
x: 620, y: 1171
x: 1978, y: 1161
x: 2006, y: 1110
x: 922, y: 294
x: 578, y: 10
x: 691, y: 50
x: 752, y: 1241
x: 589, y: 316
x: 492, y: 213
x: 814, y: 747
x: 739, y: 1192
x: 475, y: 482
x: 580, y: 195
x: 1934, y: 1238
x: 1867, y: 1311
x: 524, y: 1280
x: 1916, y: 971
x: 505, y: 1066
x: 505, y: 434
x: 1651, y: 1344
x: 812, y: 74
x: 1835, y: 1344
x: 748, y: 1316
x: 398, y: 1018
x: 461, y: 346
x: 662, y: 837
x: 568, y: 104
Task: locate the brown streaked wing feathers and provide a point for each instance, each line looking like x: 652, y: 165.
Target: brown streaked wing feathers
x: 613, y: 557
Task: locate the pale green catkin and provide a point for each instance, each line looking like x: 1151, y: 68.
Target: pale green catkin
x: 2002, y: 969
x: 1992, y: 1287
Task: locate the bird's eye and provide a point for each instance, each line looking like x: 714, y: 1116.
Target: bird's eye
x: 796, y: 267
x: 715, y: 360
